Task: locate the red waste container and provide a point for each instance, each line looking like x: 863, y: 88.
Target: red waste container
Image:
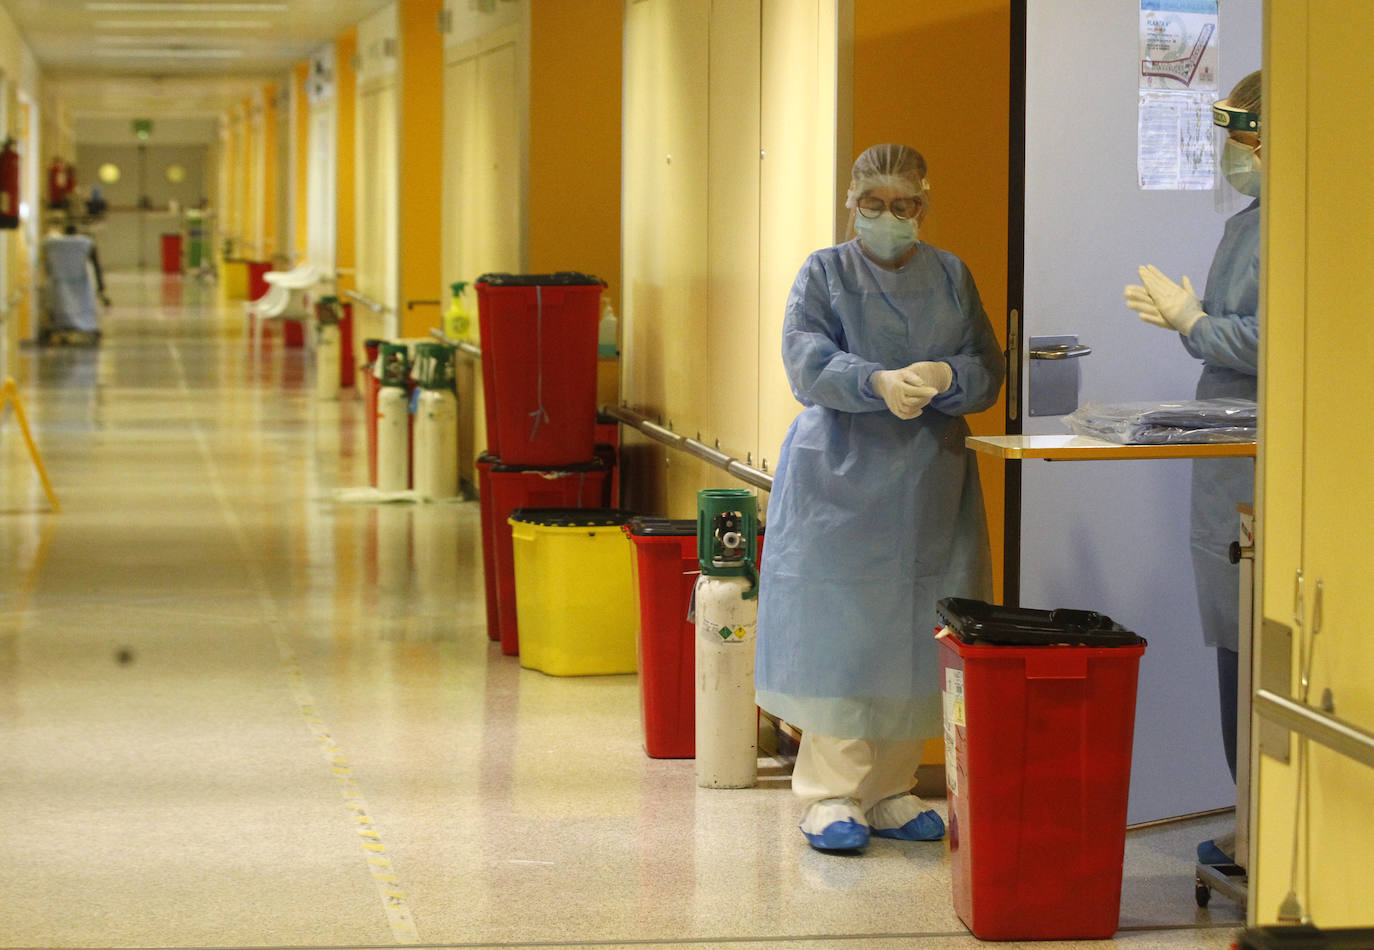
x: 519, y: 486
x: 484, y: 464
x: 1039, y: 718
x: 665, y: 571
x: 171, y: 253
x: 539, y: 365
x: 608, y: 450
x: 372, y: 349
x: 257, y: 278
x: 348, y: 368
x: 666, y: 568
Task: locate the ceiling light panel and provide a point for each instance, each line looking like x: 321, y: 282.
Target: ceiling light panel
x: 175, y: 7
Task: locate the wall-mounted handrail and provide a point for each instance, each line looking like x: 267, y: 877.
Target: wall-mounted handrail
x: 745, y: 473
x: 463, y: 346
x: 1344, y: 737
x: 367, y: 302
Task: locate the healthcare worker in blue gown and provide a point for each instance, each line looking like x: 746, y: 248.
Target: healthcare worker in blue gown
x: 1222, y: 330
x: 876, y: 510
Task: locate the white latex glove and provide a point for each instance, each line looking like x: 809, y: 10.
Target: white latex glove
x: 1178, y: 305
x: 905, y: 393
x: 1139, y: 300
x: 939, y: 375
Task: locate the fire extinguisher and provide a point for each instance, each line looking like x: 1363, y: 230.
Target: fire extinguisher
x: 57, y: 183
x: 9, y: 185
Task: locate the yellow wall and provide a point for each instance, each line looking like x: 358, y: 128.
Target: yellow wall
x: 731, y: 119
x: 268, y: 208
x: 301, y: 165
x: 346, y: 94
x: 924, y: 75
x: 421, y: 165
x: 574, y: 139
x: 1316, y: 472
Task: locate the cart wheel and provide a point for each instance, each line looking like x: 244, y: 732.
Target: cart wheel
x: 1203, y: 893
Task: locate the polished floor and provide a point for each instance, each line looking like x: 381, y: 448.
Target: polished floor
x: 236, y: 712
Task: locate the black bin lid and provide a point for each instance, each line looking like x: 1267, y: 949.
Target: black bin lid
x: 572, y: 517
x: 563, y: 278
x: 976, y: 622
x: 592, y: 465
x: 654, y: 527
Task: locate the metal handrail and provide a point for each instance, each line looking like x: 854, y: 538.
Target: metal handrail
x: 745, y: 473
x: 367, y: 302
x: 1344, y: 737
x: 463, y: 346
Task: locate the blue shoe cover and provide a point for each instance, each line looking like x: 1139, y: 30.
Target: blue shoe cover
x: 835, y: 824
x: 906, y: 818
x: 927, y: 826
x: 1209, y: 853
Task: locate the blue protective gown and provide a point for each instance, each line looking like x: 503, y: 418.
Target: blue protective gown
x: 71, y: 291
x: 872, y: 518
x: 1227, y: 341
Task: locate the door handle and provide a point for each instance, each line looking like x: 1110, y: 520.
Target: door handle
x: 1060, y: 351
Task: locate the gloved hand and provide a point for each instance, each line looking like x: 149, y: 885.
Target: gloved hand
x: 939, y: 375
x: 1178, y: 306
x: 905, y: 393
x: 1139, y: 300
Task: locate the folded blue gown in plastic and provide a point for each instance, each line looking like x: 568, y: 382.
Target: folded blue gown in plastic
x: 1155, y: 423
x: 872, y: 518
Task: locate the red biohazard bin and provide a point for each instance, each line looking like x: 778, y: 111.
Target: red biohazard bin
x: 520, y: 486
x: 539, y: 365
x: 372, y: 349
x: 665, y: 569
x: 348, y: 372
x: 484, y: 464
x: 608, y: 450
x: 1039, y: 719
x: 257, y: 278
x: 171, y: 253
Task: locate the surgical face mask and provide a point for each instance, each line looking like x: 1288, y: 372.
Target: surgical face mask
x: 885, y: 236
x: 1240, y: 167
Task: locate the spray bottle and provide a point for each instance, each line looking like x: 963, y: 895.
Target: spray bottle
x: 457, y: 320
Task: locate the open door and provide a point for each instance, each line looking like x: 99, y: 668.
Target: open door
x: 1111, y: 536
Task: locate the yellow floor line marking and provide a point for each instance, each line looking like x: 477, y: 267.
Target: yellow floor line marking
x: 392, y: 895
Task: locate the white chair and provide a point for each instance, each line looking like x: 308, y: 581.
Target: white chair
x: 289, y: 297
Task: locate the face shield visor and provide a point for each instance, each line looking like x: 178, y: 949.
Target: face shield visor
x: 1237, y: 164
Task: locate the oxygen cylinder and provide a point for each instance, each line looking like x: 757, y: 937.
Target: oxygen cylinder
x: 436, y: 424
x: 393, y: 421
x: 726, y: 610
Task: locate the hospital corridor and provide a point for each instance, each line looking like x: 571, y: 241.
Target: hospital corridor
x: 240, y: 713
x: 759, y: 474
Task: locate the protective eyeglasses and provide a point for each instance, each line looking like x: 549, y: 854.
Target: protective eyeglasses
x: 870, y: 206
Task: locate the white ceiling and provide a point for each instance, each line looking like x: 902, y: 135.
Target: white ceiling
x: 170, y: 58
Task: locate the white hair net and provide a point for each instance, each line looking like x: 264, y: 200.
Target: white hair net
x: 887, y: 166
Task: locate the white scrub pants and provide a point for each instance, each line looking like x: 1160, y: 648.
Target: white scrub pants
x: 854, y: 768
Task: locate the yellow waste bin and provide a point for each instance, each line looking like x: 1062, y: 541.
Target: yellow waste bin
x: 234, y: 278
x: 574, y: 597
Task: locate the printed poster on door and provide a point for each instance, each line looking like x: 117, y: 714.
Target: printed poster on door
x: 1178, y: 46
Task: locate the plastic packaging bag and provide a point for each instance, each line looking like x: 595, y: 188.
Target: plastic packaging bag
x: 1165, y: 423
